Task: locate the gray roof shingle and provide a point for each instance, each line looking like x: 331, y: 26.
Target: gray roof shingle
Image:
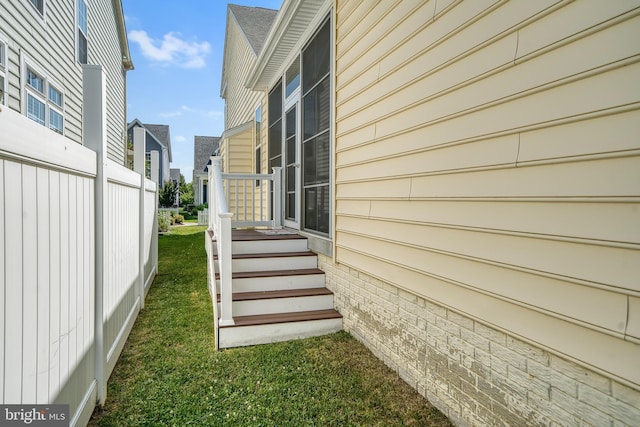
x: 203, y: 148
x: 255, y: 23
x: 161, y: 132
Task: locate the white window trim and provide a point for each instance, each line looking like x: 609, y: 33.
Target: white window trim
x: 25, y: 90
x: 77, y: 28
x: 35, y: 12
x: 4, y: 69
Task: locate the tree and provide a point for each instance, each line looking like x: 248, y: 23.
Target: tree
x: 167, y: 197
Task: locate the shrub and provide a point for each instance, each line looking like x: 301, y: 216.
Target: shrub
x: 163, y: 222
x: 179, y: 219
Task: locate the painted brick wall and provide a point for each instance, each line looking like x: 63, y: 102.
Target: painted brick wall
x: 473, y: 373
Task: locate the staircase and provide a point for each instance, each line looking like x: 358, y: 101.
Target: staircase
x: 279, y: 294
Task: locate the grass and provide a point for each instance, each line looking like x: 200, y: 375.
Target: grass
x: 169, y: 373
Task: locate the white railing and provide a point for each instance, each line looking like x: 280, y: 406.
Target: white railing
x: 251, y: 205
x: 203, y: 217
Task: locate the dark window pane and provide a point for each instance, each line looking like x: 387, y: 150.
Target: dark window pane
x: 82, y: 48
x: 275, y: 103
x: 291, y: 122
x: 316, y: 58
x: 317, y: 108
x: 275, y: 139
x: 316, y: 160
x: 291, y: 178
x: 275, y: 162
x: 316, y: 215
x: 291, y: 206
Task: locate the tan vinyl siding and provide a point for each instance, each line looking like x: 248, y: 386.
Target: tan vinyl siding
x: 488, y: 159
x: 241, y: 102
x: 50, y: 44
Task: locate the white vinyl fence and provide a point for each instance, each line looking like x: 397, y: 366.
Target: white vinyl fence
x: 78, y: 250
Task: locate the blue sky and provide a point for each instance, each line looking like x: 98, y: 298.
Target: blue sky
x: 177, y: 49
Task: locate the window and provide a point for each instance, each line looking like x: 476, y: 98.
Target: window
x: 39, y: 5
x: 83, y: 48
x: 275, y: 126
x: 316, y: 147
x: 258, y: 143
x: 292, y: 78
x: 44, y: 101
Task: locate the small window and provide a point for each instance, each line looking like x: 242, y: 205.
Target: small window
x: 292, y: 78
x: 56, y: 121
x: 35, y: 80
x: 55, y: 96
x: 43, y: 101
x: 35, y: 109
x: 83, y: 48
x: 39, y: 5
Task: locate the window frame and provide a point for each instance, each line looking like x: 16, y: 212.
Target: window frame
x: 82, y: 32
x: 33, y: 9
x: 257, y: 117
x: 44, y: 97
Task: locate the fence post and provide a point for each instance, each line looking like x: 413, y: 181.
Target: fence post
x: 94, y: 122
x: 155, y: 165
x: 155, y: 177
x: 139, y: 143
x: 277, y: 197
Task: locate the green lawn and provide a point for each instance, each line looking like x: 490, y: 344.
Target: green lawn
x: 169, y: 373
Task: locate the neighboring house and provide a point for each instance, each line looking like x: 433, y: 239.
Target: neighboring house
x: 203, y: 148
x: 469, y: 174
x: 157, y: 139
x: 241, y: 142
x: 43, y: 46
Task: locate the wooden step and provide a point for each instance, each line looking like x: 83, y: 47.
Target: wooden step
x: 267, y: 319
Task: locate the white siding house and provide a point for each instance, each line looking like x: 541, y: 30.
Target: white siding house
x: 43, y: 45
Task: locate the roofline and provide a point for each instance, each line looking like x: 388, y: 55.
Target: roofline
x: 229, y: 133
x: 127, y: 63
x: 134, y: 121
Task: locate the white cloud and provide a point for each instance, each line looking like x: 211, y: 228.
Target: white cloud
x: 215, y: 114
x: 171, y: 50
x: 180, y: 138
x: 178, y: 112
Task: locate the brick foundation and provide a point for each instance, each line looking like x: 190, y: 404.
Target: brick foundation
x: 474, y: 374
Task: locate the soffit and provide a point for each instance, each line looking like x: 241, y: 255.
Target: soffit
x: 294, y: 21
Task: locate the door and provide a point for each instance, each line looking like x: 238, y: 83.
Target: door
x: 292, y: 173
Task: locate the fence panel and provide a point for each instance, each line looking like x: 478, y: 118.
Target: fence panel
x: 47, y: 266
x: 48, y: 244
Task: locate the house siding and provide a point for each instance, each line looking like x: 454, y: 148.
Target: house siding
x: 105, y: 50
x: 50, y: 44
x: 472, y: 139
x: 238, y: 152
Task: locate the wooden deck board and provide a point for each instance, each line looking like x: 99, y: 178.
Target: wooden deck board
x: 300, y: 316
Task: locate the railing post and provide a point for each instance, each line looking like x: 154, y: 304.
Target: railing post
x: 94, y: 125
x: 224, y: 265
x: 277, y: 197
x: 139, y: 143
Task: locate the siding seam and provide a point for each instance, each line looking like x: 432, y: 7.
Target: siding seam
x: 499, y: 101
x: 524, y: 234
x: 527, y: 128
x: 569, y: 279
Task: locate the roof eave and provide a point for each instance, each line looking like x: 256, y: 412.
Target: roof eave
x: 127, y: 63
